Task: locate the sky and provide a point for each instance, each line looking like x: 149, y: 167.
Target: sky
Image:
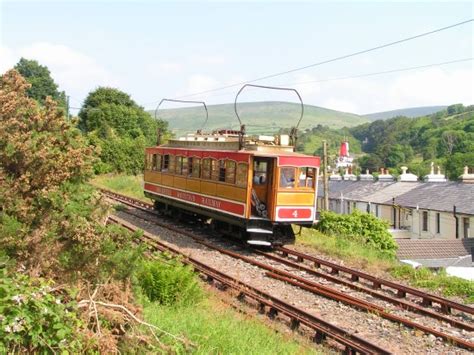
x: 153, y: 49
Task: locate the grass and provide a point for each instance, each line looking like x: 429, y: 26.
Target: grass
x: 448, y: 285
x: 216, y: 329
x: 359, y: 255
x: 129, y: 185
x: 346, y: 250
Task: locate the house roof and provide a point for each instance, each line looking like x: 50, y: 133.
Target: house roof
x: 441, y: 197
x: 425, y: 195
x: 416, y: 249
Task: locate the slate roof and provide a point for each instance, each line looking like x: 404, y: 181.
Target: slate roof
x: 425, y: 195
x: 441, y: 197
x: 415, y: 249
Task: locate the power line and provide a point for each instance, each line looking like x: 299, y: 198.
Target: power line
x: 383, y: 72
x: 328, y: 60
x: 363, y: 75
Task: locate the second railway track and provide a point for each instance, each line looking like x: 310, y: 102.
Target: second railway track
x: 296, y: 263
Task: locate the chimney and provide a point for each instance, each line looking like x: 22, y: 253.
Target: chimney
x: 348, y: 176
x: 432, y: 177
x: 367, y: 176
x: 384, y: 175
x: 335, y: 177
x: 466, y: 177
x: 407, y: 177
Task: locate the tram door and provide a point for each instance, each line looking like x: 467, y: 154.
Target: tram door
x: 261, y: 186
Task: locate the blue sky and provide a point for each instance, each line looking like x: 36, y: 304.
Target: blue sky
x: 167, y: 49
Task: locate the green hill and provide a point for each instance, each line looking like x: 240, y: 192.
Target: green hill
x: 407, y: 112
x: 259, y: 117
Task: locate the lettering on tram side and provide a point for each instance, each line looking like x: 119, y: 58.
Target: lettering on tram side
x: 210, y: 202
x: 185, y: 196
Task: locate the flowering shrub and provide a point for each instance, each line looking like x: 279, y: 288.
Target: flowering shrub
x: 34, y: 318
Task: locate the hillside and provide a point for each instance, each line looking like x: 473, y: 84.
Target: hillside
x: 259, y: 117
x: 407, y: 112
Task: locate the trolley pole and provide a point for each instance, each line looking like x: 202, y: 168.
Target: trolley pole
x: 325, y: 176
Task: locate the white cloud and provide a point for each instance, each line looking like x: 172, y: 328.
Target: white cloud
x: 74, y: 72
x: 200, y: 82
x: 433, y: 86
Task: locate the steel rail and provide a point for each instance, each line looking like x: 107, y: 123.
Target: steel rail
x: 322, y: 328
x: 402, y: 291
x: 396, y: 301
x: 358, y: 303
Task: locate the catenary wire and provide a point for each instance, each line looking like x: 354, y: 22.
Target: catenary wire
x: 328, y: 60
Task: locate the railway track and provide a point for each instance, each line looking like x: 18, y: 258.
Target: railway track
x: 266, y: 302
x: 341, y: 275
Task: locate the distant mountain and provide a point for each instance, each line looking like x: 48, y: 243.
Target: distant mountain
x: 407, y: 112
x: 259, y: 117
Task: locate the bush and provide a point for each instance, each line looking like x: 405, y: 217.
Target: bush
x: 33, y: 319
x: 449, y: 285
x: 169, y: 282
x: 362, y: 227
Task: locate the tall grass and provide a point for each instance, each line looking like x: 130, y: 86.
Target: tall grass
x: 352, y: 251
x: 217, y: 329
x: 130, y: 185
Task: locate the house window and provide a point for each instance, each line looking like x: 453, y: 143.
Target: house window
x: 425, y: 221
x: 376, y: 210
x: 466, y: 227
x: 438, y: 223
x: 348, y: 207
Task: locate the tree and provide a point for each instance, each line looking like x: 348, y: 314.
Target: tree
x: 121, y: 128
x: 371, y: 162
x: 42, y: 84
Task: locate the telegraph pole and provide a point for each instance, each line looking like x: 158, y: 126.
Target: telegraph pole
x: 325, y: 176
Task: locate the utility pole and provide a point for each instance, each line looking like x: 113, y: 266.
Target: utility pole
x: 325, y: 176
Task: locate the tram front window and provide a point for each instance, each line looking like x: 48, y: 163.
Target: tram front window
x: 287, y: 177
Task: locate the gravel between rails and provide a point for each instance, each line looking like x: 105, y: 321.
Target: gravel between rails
x: 393, y: 337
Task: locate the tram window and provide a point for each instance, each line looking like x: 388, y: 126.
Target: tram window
x: 287, y: 177
x: 190, y: 166
x: 260, y: 172
x: 230, y: 172
x: 166, y: 162
x: 179, y: 165
x: 222, y: 170
x: 206, y: 168
x: 306, y: 177
x: 157, y: 166
x: 241, y: 177
x: 215, y: 169
x: 172, y: 164
x: 196, y: 167
x: 184, y: 166
x: 150, y: 161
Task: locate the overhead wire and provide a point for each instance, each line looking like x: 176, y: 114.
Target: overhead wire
x: 328, y: 60
x: 362, y: 75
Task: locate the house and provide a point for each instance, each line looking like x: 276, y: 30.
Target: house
x: 420, y: 210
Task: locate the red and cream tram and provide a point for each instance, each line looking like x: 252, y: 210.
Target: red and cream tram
x: 254, y: 187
